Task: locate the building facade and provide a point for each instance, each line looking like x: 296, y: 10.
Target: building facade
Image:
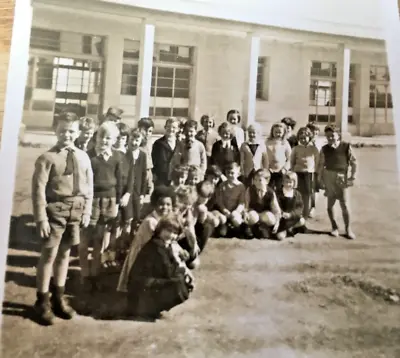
x: 188, y: 58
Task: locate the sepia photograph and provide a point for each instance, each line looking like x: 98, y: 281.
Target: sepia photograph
x: 200, y: 178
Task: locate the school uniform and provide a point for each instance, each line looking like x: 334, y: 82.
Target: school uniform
x: 278, y: 152
x: 157, y: 281
x: 137, y: 183
x: 62, y: 192
x: 253, y: 156
x: 107, y: 185
x: 191, y: 153
x: 334, y: 164
x: 304, y: 162
x: 224, y: 153
x: 164, y: 154
x: 290, y: 202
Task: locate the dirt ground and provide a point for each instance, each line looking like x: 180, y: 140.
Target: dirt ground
x: 311, y: 296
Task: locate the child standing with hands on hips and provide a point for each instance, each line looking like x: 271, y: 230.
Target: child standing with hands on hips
x: 62, y: 194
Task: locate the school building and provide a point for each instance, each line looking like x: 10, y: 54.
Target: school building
x: 311, y: 60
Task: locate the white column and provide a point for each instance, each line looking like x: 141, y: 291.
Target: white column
x: 361, y: 98
x: 113, y: 71
x: 342, y: 90
x: 249, y: 100
x: 13, y: 110
x: 145, y: 70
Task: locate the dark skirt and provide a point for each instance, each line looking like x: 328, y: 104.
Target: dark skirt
x: 149, y: 297
x: 305, y: 183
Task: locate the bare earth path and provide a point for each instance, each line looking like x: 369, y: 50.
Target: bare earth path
x: 312, y: 296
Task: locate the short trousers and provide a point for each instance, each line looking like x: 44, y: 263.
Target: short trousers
x: 64, y: 219
x: 103, y: 211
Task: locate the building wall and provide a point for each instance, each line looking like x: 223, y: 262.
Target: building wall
x: 219, y: 74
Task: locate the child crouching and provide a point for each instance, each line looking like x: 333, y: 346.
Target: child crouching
x: 291, y: 204
x: 262, y: 208
x: 229, y: 200
x: 159, y: 281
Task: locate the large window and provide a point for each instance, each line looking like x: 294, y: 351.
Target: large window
x: 171, y: 75
x: 323, y: 91
x: 262, y: 79
x: 380, y: 97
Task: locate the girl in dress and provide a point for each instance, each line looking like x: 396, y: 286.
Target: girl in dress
x: 208, y: 135
x: 233, y: 118
x: 279, y: 151
x: 304, y: 162
x: 223, y: 151
x: 291, y: 204
x: 158, y: 280
x: 162, y: 200
x: 253, y: 153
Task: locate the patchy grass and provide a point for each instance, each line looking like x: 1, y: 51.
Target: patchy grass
x: 311, y: 296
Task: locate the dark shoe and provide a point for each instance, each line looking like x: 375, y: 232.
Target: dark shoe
x: 42, y: 308
x: 223, y: 230
x: 60, y: 306
x: 247, y: 232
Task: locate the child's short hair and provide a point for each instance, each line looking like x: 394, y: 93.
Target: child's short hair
x: 289, y: 122
x: 87, y: 123
x: 256, y: 126
x: 331, y: 128
x: 172, y: 120
x: 291, y: 176
x: 109, y: 127
x: 304, y: 131
x: 194, y: 170
x: 161, y: 192
x: 190, y: 123
x: 169, y: 222
x: 206, y: 117
x: 205, y: 189
x: 276, y: 125
x: 224, y: 127
x: 145, y: 123
x: 233, y: 111
x: 135, y: 133
x: 123, y: 129
x: 179, y: 171
x: 312, y: 127
x: 214, y: 170
x: 263, y: 173
x: 187, y: 194
x: 68, y: 117
x: 232, y: 166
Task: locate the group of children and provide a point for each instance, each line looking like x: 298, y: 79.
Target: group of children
x: 89, y: 189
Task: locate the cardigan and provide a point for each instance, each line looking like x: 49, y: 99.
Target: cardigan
x: 137, y: 176
x: 304, y: 158
x: 279, y: 152
x: 223, y: 156
x: 249, y: 162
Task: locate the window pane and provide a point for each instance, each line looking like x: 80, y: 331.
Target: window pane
x: 182, y: 73
x: 172, y: 53
x: 164, y: 92
x: 131, y: 49
x: 181, y: 84
x: 87, y: 44
x: 163, y: 112
x: 372, y: 73
x: 352, y: 71
x: 45, y: 73
x: 130, y: 69
x: 129, y: 90
x: 323, y: 69
x: 372, y: 91
x: 381, y: 96
x: 180, y: 112
x: 389, y: 101
x: 181, y: 93
x: 45, y: 39
x: 151, y: 111
x: 164, y: 82
x: 165, y: 72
